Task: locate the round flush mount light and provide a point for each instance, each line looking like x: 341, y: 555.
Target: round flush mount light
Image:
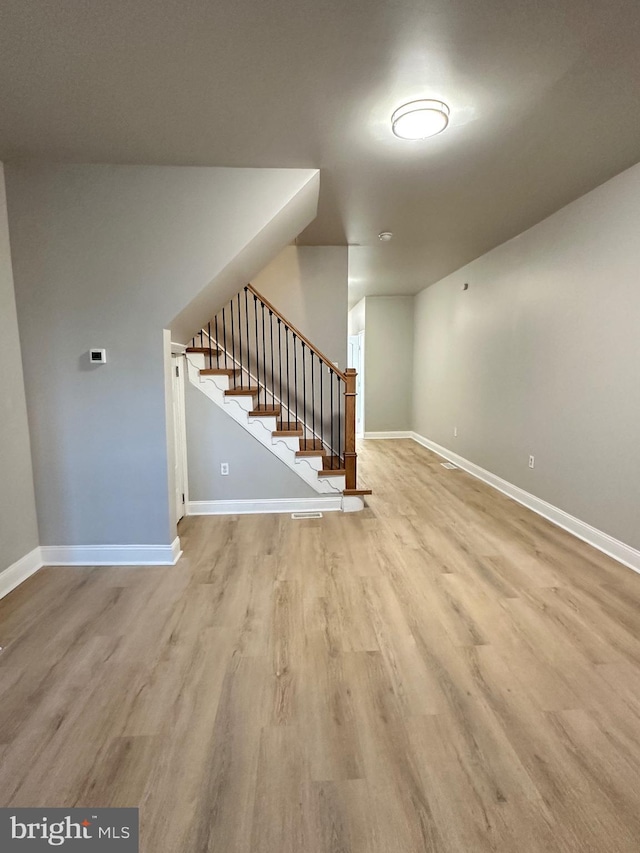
x: 385, y: 236
x: 420, y: 119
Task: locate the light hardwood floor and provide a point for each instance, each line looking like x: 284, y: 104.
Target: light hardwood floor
x: 444, y: 671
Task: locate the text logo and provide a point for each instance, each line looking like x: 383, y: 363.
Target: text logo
x: 80, y: 830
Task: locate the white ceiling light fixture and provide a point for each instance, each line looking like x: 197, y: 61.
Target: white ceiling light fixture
x: 420, y: 119
x: 385, y: 236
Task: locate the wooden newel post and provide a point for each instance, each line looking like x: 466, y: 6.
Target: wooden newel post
x: 350, y: 455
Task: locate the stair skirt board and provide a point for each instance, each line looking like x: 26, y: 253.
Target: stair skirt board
x: 18, y: 572
x: 268, y: 505
x: 613, y: 548
x: 239, y: 407
x: 111, y: 555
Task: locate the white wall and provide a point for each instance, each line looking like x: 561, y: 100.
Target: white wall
x: 356, y: 318
x: 309, y: 285
x: 541, y: 355
x: 107, y: 256
x: 18, y: 523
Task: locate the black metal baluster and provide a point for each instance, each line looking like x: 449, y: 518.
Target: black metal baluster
x: 224, y: 337
x: 273, y: 380
x: 295, y: 379
x: 210, y: 352
x: 240, y: 341
x: 233, y: 344
x: 339, y: 461
x: 280, y: 369
x: 321, y: 408
x: 313, y: 405
x: 286, y: 337
x: 331, y: 399
x: 215, y: 325
x: 255, y: 313
x: 264, y: 362
x: 304, y: 396
x: 201, y: 344
x: 246, y: 311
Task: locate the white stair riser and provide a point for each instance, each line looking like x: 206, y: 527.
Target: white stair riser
x: 340, y: 482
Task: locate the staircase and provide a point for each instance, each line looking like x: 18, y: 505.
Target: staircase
x: 266, y: 375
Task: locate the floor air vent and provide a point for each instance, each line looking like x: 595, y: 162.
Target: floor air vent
x: 306, y: 515
x: 449, y: 466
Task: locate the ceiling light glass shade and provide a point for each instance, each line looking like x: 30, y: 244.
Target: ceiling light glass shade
x: 420, y: 119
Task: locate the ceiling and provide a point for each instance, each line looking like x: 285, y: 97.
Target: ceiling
x: 544, y: 98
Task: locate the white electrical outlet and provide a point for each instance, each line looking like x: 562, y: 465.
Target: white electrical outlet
x: 532, y: 462
x: 455, y: 432
x: 224, y: 468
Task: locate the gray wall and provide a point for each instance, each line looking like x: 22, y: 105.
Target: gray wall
x: 254, y: 473
x: 388, y: 363
x: 541, y: 355
x: 107, y: 256
x: 18, y: 524
x: 308, y: 285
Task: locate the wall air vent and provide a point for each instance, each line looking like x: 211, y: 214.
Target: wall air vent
x: 98, y: 356
x: 306, y: 515
x: 449, y: 466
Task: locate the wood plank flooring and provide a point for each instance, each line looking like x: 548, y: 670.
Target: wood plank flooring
x: 444, y: 671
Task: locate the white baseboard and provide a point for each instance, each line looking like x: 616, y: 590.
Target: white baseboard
x: 244, y: 507
x: 397, y: 434
x: 19, y: 571
x: 111, y: 555
x: 614, y: 548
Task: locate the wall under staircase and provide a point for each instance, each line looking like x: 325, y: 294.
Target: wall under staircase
x: 256, y: 476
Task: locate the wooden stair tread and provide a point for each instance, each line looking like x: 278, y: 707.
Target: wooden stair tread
x: 357, y: 492
x: 311, y: 452
x: 287, y: 432
x: 242, y: 392
x: 332, y: 472
x: 265, y: 412
x: 219, y: 371
x: 205, y: 350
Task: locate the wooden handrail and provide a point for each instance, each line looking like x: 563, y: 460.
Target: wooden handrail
x: 298, y: 333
